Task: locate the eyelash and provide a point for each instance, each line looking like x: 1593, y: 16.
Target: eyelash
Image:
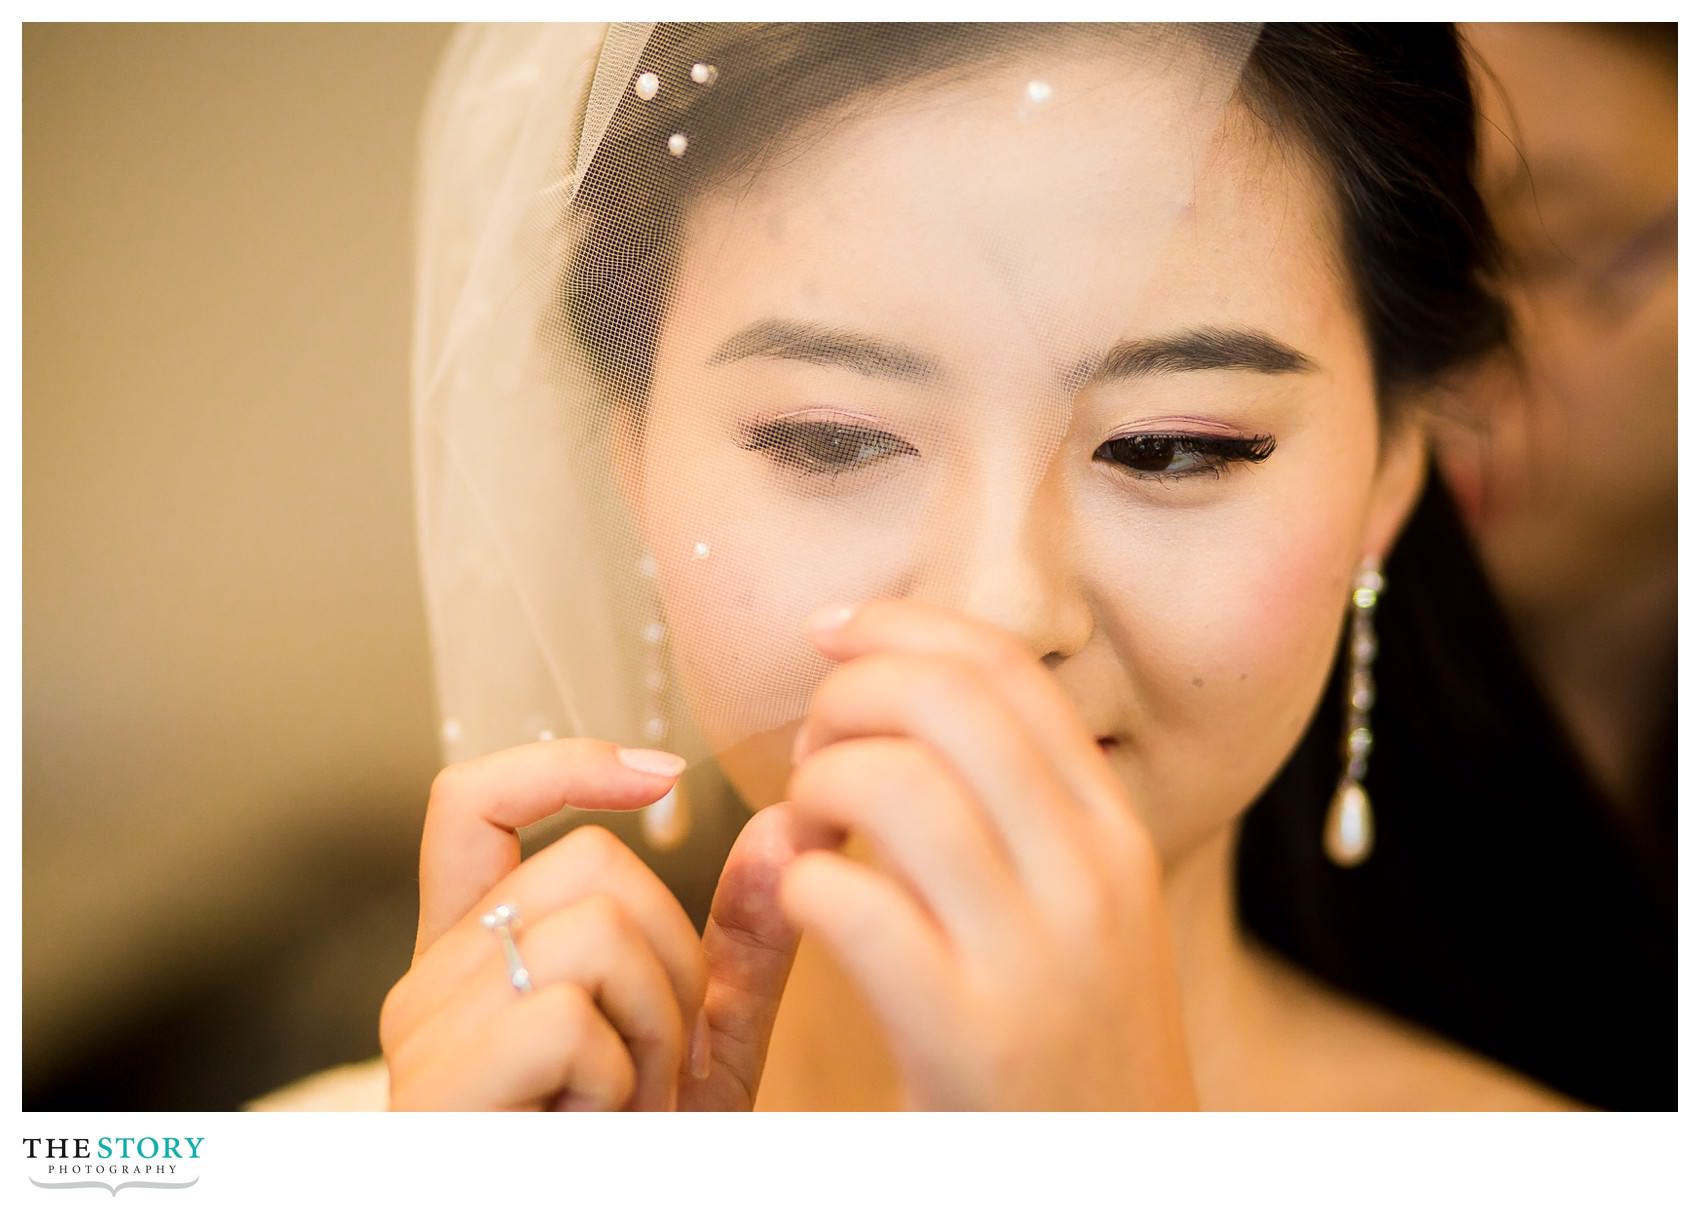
x: 831, y: 448
x: 1214, y: 455
x: 823, y: 448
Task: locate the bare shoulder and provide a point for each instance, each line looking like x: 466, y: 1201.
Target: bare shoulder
x: 1359, y: 1057
x: 1424, y: 1072
x: 362, y: 1086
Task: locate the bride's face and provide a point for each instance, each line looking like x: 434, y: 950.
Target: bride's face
x: 1052, y: 350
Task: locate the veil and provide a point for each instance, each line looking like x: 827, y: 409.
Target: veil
x: 626, y: 508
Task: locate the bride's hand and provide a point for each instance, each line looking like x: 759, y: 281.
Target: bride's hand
x: 619, y: 976
x: 1013, y: 944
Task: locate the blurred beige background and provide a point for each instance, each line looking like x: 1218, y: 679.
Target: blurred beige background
x: 228, y: 729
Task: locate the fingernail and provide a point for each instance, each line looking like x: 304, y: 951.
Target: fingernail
x: 702, y: 1057
x: 653, y: 762
x: 828, y: 620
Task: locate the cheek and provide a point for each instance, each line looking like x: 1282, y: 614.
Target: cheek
x: 729, y: 629
x: 1226, y: 640
x: 743, y: 560
x: 1605, y: 389
x: 736, y: 625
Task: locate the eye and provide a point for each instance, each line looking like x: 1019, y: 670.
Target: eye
x: 1635, y: 263
x: 1173, y: 456
x: 823, y: 447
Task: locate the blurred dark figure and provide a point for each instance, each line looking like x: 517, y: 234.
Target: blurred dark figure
x: 1521, y: 896
x: 1571, y: 492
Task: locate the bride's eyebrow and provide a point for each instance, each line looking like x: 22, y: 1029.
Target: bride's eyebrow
x: 862, y: 353
x: 1205, y: 349
x: 1202, y: 349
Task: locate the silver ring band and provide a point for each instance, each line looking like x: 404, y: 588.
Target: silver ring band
x: 501, y: 920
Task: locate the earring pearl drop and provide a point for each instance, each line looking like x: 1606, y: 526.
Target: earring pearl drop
x: 1348, y: 834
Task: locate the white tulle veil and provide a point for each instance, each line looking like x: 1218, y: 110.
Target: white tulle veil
x: 562, y: 596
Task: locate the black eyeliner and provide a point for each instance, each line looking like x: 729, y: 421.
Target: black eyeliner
x: 1126, y: 451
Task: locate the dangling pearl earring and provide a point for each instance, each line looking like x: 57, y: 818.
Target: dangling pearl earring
x: 1348, y: 836
x: 667, y: 821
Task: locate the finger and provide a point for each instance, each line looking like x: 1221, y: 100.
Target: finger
x: 882, y: 941
x: 595, y: 945
x: 551, y: 1044
x: 749, y: 945
x: 1032, y: 693
x: 470, y: 839
x: 588, y: 862
x: 923, y: 823
x: 943, y: 703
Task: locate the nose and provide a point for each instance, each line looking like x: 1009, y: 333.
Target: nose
x: 1009, y: 556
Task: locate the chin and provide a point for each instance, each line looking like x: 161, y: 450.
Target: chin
x: 1180, y: 821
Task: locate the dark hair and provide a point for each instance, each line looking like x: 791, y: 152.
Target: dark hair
x: 1387, y: 111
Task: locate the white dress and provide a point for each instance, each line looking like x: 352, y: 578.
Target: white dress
x: 361, y: 1086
